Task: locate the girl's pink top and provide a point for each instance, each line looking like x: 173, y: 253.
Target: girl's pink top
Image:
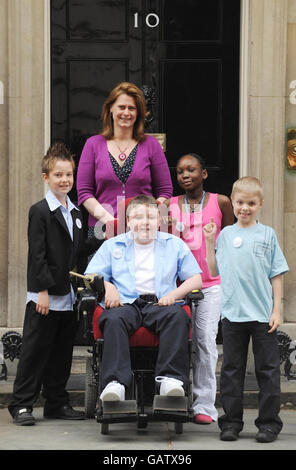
x: 189, y: 226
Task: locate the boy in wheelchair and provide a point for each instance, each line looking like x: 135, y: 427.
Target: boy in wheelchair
x: 138, y: 266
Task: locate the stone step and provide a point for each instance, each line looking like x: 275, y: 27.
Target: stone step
x: 76, y: 389
x: 76, y: 384
x: 81, y: 353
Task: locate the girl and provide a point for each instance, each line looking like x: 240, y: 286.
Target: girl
x: 190, y: 212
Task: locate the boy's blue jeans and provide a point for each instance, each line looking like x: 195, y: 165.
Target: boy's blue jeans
x: 236, y: 337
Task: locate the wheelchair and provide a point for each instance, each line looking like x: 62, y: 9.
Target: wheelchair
x: 142, y: 404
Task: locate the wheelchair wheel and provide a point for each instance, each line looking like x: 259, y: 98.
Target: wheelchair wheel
x: 91, y: 390
x: 104, y: 428
x: 178, y: 427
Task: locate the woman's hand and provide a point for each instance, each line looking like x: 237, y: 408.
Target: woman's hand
x: 95, y: 209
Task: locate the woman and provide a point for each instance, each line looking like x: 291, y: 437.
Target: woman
x: 122, y: 161
x: 189, y: 213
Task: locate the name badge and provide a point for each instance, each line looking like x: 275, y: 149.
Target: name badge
x: 117, y: 253
x: 78, y: 223
x: 237, y: 242
x: 180, y: 226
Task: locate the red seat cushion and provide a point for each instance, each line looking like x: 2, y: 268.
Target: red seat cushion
x: 142, y: 337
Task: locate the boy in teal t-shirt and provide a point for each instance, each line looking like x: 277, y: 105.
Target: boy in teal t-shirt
x: 250, y: 263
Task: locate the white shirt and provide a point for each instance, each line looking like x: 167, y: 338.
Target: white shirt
x: 144, y: 264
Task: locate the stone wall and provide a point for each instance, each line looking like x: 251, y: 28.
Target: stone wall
x: 272, y: 41
x: 21, y: 144
x: 4, y: 149
x: 290, y: 177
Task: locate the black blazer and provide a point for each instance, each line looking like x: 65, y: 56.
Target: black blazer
x: 52, y: 253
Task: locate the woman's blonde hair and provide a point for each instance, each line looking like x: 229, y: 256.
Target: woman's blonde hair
x: 131, y: 90
x: 248, y: 184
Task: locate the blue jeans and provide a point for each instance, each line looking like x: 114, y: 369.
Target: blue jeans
x: 236, y: 337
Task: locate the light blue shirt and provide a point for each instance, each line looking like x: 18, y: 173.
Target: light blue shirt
x: 247, y: 259
x: 115, y: 260
x: 59, y: 302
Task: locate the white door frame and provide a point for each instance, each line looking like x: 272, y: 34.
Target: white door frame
x: 243, y: 94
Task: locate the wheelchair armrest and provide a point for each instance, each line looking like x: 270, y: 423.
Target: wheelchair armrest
x: 87, y: 301
x: 194, y: 297
x: 86, y: 307
x: 98, y: 285
x: 93, y: 282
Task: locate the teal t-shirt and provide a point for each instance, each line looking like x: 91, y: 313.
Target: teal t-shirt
x: 247, y: 259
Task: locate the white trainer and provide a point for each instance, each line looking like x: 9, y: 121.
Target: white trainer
x: 170, y: 387
x: 114, y: 391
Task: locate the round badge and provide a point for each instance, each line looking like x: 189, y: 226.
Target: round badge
x: 78, y: 223
x: 180, y: 226
x: 237, y: 242
x: 98, y: 231
x: 117, y: 253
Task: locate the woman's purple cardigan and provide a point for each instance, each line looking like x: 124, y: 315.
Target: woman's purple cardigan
x: 96, y: 178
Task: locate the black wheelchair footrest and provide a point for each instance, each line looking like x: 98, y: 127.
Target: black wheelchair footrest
x: 174, y: 404
x: 117, y: 418
x: 120, y: 407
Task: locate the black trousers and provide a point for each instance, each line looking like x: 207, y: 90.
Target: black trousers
x: 236, y: 337
x: 171, y: 323
x: 45, y: 361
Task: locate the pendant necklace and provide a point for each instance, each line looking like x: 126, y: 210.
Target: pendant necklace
x: 201, y: 203
x: 122, y: 155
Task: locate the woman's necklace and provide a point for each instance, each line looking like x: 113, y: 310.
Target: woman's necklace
x: 192, y: 208
x: 122, y: 155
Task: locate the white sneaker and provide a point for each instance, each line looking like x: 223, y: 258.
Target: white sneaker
x: 114, y: 391
x: 170, y: 387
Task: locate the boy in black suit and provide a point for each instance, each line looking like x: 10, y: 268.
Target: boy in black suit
x: 55, y: 237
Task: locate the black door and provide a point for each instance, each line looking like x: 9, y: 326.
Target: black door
x: 187, y: 51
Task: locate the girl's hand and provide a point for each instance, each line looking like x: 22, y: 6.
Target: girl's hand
x: 210, y: 230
